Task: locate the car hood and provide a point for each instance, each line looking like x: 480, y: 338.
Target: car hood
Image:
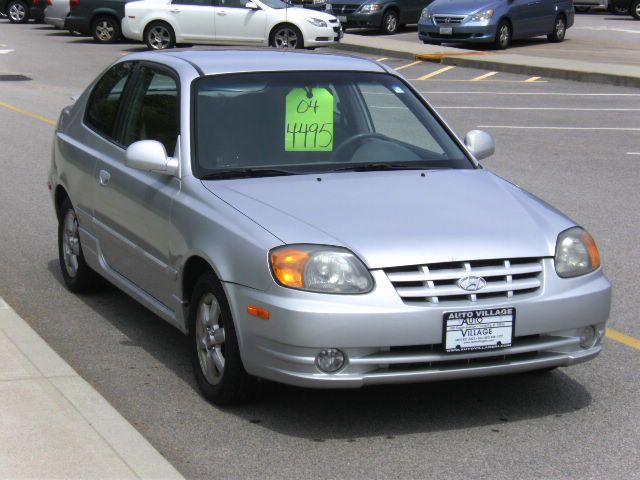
x: 459, y: 7
x: 400, y: 218
x: 350, y: 2
x: 300, y: 13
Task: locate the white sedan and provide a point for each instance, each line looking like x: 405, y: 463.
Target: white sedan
x: 161, y: 23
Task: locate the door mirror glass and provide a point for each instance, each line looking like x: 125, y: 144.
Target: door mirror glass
x: 480, y: 144
x: 150, y: 156
x: 252, y: 6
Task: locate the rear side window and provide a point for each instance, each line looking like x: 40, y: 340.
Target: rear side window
x: 102, y: 108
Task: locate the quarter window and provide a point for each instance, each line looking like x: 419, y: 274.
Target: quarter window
x: 102, y: 108
x: 153, y: 110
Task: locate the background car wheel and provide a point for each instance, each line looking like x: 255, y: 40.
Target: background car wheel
x: 159, y: 36
x: 77, y: 275
x: 617, y: 9
x: 18, y: 11
x: 390, y: 23
x: 559, y: 29
x: 503, y: 35
x: 635, y: 9
x: 286, y: 36
x: 215, y: 355
x: 105, y: 30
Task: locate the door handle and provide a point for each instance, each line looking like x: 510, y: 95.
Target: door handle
x: 104, y: 177
x: 174, y: 11
x: 222, y: 14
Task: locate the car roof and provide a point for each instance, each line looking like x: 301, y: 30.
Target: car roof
x: 211, y: 61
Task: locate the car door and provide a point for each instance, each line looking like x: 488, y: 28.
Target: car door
x: 132, y: 207
x: 236, y: 23
x: 194, y: 18
x: 522, y: 14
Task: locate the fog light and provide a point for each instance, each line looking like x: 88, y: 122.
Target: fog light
x: 330, y: 360
x: 588, y: 337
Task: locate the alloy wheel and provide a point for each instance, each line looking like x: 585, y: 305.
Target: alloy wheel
x: 560, y: 28
x: 104, y: 30
x: 159, y: 37
x: 391, y: 23
x: 17, y: 12
x: 504, y: 35
x: 70, y: 243
x: 285, y: 38
x: 210, y: 338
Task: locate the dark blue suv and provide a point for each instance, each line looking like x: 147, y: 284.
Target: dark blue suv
x: 387, y: 15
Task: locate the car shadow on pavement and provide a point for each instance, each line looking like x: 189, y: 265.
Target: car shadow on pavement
x: 351, y: 414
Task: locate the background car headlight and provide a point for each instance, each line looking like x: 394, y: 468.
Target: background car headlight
x: 480, y: 16
x: 370, y: 8
x: 320, y: 268
x: 426, y: 14
x: 316, y: 22
x: 576, y: 253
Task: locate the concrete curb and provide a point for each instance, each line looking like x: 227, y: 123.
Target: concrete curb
x: 54, y: 424
x: 566, y: 69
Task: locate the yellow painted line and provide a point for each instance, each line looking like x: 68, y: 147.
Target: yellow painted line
x: 532, y: 79
x: 409, y: 65
x: 28, y: 113
x: 437, y: 72
x: 441, y: 55
x: 381, y: 59
x: 627, y: 340
x: 482, y: 77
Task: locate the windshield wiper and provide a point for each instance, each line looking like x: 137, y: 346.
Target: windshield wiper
x: 246, y: 173
x: 370, y: 167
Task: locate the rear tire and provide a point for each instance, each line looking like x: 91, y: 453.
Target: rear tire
x: 503, y: 35
x: 105, y: 30
x: 18, y: 11
x: 215, y: 355
x: 559, y: 29
x: 159, y: 36
x: 77, y: 275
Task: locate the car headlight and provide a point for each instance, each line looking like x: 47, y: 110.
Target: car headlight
x: 481, y: 16
x: 320, y: 268
x: 371, y: 7
x: 316, y: 22
x: 426, y: 14
x: 576, y: 253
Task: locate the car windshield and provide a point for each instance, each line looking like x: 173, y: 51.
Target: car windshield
x: 277, y: 4
x: 314, y: 122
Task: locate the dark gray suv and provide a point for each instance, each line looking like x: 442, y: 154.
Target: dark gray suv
x: 98, y: 18
x: 387, y: 15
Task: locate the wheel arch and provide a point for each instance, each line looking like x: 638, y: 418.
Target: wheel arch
x: 159, y: 19
x: 59, y: 196
x: 288, y: 22
x: 104, y: 12
x: 195, y: 266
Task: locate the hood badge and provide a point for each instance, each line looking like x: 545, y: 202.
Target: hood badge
x: 472, y: 284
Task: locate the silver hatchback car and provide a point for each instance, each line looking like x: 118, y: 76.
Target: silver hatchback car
x: 310, y: 219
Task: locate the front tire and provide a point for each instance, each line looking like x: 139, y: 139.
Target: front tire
x: 215, y: 355
x: 559, y: 29
x: 634, y: 9
x: 503, y: 35
x: 286, y: 37
x: 159, y: 36
x: 390, y: 23
x: 105, y: 30
x: 18, y: 11
x: 77, y: 275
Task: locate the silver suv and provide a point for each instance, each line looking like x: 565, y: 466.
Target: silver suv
x: 311, y: 220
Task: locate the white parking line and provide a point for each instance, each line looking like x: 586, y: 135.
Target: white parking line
x: 547, y: 108
x: 560, y: 94
x: 4, y: 52
x: 607, y: 29
x: 531, y: 127
x: 633, y: 153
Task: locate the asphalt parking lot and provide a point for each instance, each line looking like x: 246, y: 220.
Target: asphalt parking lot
x: 575, y: 145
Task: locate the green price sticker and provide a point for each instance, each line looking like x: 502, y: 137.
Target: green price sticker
x: 309, y: 120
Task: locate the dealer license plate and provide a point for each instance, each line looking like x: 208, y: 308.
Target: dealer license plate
x: 342, y: 18
x: 481, y: 329
x: 446, y: 30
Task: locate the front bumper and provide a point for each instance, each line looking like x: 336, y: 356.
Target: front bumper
x: 475, y: 32
x: 388, y: 341
x: 362, y: 20
x: 37, y: 13
x: 322, y: 36
x: 54, y: 21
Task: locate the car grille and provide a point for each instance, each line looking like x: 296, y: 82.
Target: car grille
x: 455, y: 36
x: 448, y: 19
x: 437, y: 283
x: 344, y: 8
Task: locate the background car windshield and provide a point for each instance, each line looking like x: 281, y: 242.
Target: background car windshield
x: 315, y: 122
x: 275, y: 4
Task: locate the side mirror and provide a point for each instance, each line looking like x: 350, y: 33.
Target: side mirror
x: 150, y: 156
x: 480, y: 144
x: 252, y: 6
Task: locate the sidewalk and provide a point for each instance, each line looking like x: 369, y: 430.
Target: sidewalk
x: 53, y: 424
x: 502, y: 61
